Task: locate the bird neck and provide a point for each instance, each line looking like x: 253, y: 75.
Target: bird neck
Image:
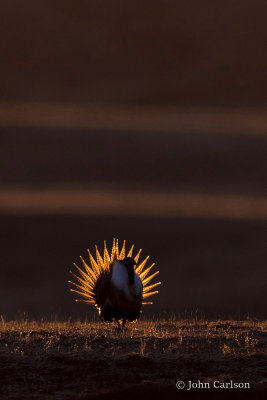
x: 130, y: 271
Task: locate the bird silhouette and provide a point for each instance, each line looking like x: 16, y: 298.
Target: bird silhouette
x: 115, y: 283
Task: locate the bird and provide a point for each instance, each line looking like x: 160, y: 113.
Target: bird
x: 116, y: 284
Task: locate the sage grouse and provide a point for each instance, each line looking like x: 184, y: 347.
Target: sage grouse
x: 115, y: 283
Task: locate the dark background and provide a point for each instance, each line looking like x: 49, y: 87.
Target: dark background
x: 126, y: 65
x: 182, y: 52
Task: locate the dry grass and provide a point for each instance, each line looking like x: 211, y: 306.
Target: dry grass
x: 63, y: 359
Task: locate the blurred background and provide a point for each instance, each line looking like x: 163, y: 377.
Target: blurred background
x: 144, y: 121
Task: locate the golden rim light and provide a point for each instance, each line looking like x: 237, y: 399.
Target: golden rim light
x: 101, y: 266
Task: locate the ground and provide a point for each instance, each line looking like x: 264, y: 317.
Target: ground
x: 85, y: 360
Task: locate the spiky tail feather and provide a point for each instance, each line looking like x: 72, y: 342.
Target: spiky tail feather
x: 91, y: 277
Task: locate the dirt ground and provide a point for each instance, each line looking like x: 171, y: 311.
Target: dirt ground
x: 85, y: 360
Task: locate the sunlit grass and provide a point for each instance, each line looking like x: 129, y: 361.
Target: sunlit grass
x: 146, y: 338
x: 56, y: 358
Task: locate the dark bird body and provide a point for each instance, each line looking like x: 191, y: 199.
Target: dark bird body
x: 119, y: 293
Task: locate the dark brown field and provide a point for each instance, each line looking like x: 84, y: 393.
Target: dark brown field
x: 85, y: 360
